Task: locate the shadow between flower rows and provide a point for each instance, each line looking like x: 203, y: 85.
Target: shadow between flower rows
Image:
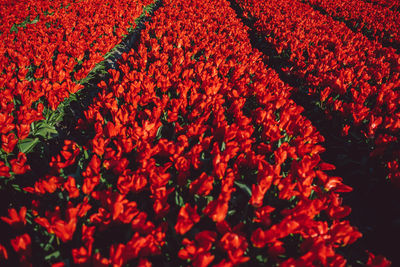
x: 374, y: 201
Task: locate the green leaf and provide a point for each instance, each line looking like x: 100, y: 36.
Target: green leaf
x: 35, y: 20
x: 223, y: 146
x: 16, y: 187
x: 54, y: 117
x: 231, y: 212
x: 244, y: 187
x: 86, y: 154
x: 46, y: 131
x: 179, y: 200
x: 14, y: 28
x: 55, y: 254
x: 27, y: 145
x: 47, y: 247
x: 159, y: 131
x: 261, y: 258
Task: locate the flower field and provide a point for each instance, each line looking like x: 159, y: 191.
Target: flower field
x: 199, y: 133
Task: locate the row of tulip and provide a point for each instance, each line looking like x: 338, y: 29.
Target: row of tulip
x: 196, y: 155
x: 9, y: 21
x: 392, y: 4
x: 380, y: 23
x: 42, y: 60
x: 353, y: 76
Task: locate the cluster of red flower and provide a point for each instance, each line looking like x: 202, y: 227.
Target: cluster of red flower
x: 45, y: 48
x: 22, y: 11
x: 196, y: 153
x: 352, y: 75
x: 392, y: 4
x: 381, y: 23
x: 196, y: 143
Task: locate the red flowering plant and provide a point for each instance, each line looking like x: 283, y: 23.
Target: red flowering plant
x: 355, y: 79
x: 391, y: 4
x: 196, y: 156
x: 46, y: 49
x: 380, y: 23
